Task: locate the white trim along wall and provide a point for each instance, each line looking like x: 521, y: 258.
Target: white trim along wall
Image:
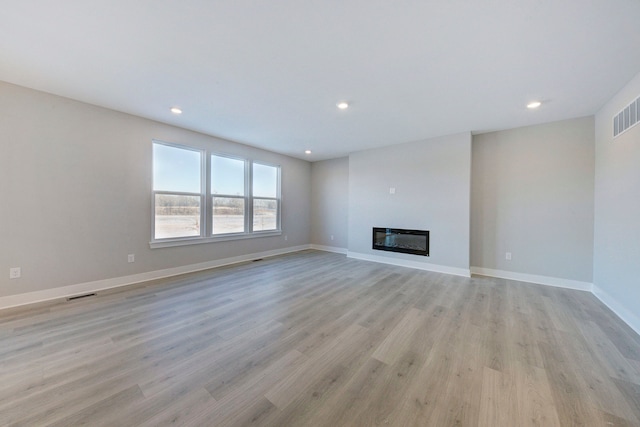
x: 116, y: 282
x: 100, y: 285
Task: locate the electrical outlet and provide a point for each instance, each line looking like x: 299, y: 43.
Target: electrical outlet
x: 507, y: 256
x: 15, y: 272
x: 286, y: 237
x: 392, y: 190
x: 332, y: 237
x: 131, y: 258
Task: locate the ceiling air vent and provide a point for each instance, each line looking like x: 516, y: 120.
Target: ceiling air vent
x: 627, y: 118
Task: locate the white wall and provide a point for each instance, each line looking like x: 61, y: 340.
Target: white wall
x: 75, y: 185
x: 532, y: 196
x: 432, y: 192
x: 617, y: 210
x: 330, y: 203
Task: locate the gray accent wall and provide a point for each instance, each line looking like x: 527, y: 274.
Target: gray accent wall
x: 75, y: 181
x: 330, y: 202
x: 617, y: 210
x: 432, y: 192
x: 532, y: 196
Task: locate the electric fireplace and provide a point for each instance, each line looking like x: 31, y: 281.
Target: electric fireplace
x: 414, y: 242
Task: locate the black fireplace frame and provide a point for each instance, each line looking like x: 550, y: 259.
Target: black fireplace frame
x: 400, y: 231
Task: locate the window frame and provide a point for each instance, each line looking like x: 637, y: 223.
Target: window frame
x: 277, y: 199
x: 201, y: 195
x: 206, y: 202
x: 245, y: 197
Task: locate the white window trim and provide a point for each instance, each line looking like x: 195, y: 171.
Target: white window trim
x: 278, y: 197
x: 186, y: 241
x: 206, y: 204
x: 202, y: 194
x: 246, y: 197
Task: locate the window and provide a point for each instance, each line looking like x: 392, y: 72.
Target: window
x: 228, y: 195
x: 265, y: 197
x: 240, y: 198
x: 177, y: 192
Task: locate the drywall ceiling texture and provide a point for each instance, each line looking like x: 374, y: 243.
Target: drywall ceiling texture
x: 532, y: 196
x: 269, y: 74
x: 617, y: 210
x: 432, y: 192
x: 76, y: 180
x: 330, y: 202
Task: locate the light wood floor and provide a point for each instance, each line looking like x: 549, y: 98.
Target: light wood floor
x: 316, y: 339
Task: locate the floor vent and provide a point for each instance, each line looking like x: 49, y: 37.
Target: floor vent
x: 627, y: 118
x: 256, y: 260
x: 80, y: 296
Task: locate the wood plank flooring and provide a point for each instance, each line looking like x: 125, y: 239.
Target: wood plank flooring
x: 316, y: 339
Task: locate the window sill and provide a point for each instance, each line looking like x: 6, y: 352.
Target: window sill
x: 187, y: 241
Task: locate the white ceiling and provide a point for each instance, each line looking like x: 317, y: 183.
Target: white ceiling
x: 269, y: 73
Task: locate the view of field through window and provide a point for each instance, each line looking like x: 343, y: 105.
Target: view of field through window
x: 178, y: 199
x: 228, y: 189
x: 177, y: 216
x: 177, y: 190
x: 265, y: 193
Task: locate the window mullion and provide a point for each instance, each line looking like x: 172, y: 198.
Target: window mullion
x: 208, y: 197
x: 249, y: 196
x: 279, y: 200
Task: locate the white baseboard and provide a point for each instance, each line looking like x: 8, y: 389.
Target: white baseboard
x: 330, y: 249
x: 116, y: 282
x: 627, y: 316
x: 410, y: 264
x: 618, y: 309
x: 623, y: 313
x: 533, y: 278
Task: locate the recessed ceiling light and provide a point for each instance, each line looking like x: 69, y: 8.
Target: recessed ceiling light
x: 307, y: 151
x: 533, y: 105
x: 176, y: 110
x: 343, y: 105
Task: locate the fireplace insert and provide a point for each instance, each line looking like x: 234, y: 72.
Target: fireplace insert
x: 414, y: 242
